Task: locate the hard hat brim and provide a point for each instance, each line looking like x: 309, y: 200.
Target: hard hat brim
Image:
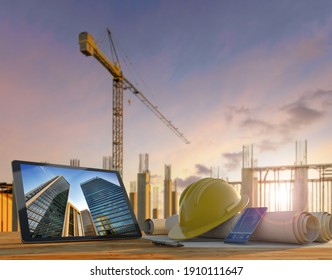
x: 179, y: 234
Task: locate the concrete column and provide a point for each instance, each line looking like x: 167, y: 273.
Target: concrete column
x: 143, y: 197
x: 167, y: 192
x: 300, y: 190
x: 247, y: 185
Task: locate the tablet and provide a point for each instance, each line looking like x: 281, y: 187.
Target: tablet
x: 63, y: 203
x: 246, y: 225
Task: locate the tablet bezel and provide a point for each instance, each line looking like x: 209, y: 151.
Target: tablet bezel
x: 22, y: 210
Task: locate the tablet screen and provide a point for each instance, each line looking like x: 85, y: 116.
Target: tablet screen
x: 58, y: 203
x: 246, y: 225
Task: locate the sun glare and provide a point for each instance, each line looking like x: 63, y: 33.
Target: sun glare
x: 283, y: 196
x: 279, y: 197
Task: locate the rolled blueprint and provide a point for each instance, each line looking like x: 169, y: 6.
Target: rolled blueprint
x: 284, y: 227
x: 325, y: 232
x: 159, y: 226
x: 154, y: 226
x: 287, y: 227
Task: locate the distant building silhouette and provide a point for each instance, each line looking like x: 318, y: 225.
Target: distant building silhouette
x: 46, y: 207
x: 75, y: 162
x: 107, y: 163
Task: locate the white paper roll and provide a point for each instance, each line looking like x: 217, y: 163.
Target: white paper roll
x: 154, y: 226
x: 325, y: 233
x: 284, y: 227
x: 159, y: 226
x: 287, y: 227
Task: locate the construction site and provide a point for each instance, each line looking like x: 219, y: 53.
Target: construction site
x: 299, y: 187
x: 176, y: 139
x: 296, y: 187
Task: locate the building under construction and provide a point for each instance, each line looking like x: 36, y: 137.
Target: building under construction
x: 6, y: 207
x: 145, y: 201
x: 143, y: 190
x: 167, y: 192
x: 298, y: 187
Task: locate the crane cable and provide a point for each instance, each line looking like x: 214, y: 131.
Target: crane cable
x: 114, y: 54
x: 128, y: 66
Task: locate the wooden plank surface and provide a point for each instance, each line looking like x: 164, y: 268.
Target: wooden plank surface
x: 11, y: 247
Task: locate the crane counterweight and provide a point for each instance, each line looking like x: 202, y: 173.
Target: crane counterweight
x: 86, y: 42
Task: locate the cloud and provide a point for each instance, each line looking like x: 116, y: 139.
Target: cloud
x: 183, y: 183
x: 325, y: 96
x: 201, y: 172
x: 267, y: 145
x: 256, y: 124
x: 233, y: 160
x: 233, y: 111
x: 281, y: 123
x: 308, y: 109
x: 202, y: 169
x: 301, y: 114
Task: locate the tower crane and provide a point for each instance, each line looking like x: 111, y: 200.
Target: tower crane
x: 89, y: 48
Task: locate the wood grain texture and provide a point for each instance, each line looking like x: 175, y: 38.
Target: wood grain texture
x: 11, y: 248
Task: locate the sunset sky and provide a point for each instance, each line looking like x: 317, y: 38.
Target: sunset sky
x: 226, y: 73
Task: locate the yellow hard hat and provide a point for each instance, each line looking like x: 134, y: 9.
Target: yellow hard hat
x: 204, y: 205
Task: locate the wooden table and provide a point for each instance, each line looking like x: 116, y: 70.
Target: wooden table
x: 11, y: 247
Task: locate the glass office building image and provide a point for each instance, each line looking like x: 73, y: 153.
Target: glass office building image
x: 73, y: 224
x: 108, y: 207
x: 88, y: 224
x: 46, y: 207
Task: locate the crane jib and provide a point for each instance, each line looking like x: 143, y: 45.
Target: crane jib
x: 89, y: 48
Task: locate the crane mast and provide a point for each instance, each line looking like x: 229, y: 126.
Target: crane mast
x: 120, y: 82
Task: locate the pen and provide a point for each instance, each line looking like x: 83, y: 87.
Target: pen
x: 167, y: 243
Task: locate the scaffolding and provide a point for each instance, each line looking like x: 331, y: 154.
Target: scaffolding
x: 302, y: 186
x: 6, y: 205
